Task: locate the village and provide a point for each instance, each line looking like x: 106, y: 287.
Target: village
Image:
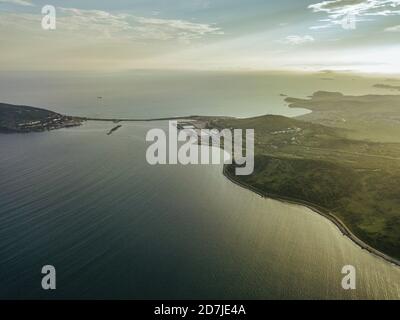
x: 24, y: 119
x: 52, y: 122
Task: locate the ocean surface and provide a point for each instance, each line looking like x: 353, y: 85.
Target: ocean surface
x: 115, y: 227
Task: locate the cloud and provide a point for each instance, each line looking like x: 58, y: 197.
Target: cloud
x: 134, y: 27
x: 19, y: 2
x: 324, y: 26
x: 167, y: 28
x: 96, y: 39
x: 297, y: 40
x: 393, y: 29
x: 98, y: 25
x: 337, y: 10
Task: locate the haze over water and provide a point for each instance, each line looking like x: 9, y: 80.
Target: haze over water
x: 115, y: 227
x: 147, y: 94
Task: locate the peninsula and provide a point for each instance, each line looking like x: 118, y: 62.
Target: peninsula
x: 24, y: 119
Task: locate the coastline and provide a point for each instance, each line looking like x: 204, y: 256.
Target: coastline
x: 319, y: 210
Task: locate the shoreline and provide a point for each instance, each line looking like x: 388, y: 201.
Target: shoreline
x: 319, y: 210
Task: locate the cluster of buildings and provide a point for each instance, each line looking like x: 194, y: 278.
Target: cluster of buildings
x: 51, y: 122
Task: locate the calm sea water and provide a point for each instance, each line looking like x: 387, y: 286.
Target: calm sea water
x: 116, y: 227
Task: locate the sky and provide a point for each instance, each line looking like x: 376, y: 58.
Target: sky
x: 307, y: 35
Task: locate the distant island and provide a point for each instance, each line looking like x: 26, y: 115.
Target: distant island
x: 24, y: 119
x: 342, y: 160
x: 387, y: 86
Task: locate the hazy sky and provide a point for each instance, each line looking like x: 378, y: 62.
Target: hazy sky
x: 201, y: 34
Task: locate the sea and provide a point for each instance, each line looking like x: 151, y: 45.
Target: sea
x: 115, y: 227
